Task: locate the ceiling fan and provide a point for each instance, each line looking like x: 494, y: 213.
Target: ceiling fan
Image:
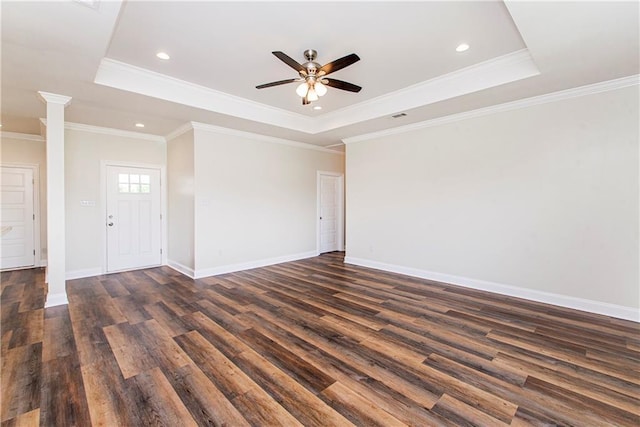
x: 313, y: 76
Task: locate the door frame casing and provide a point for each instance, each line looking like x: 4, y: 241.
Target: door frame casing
x: 340, y: 226
x: 37, y: 244
x: 103, y: 204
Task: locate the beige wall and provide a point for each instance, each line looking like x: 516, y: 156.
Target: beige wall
x: 543, y: 198
x: 255, y: 200
x: 180, y: 177
x: 84, y: 153
x: 27, y: 151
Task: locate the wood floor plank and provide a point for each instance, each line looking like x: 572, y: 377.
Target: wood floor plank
x: 587, y: 388
x: 226, y: 376
x: 207, y: 404
x: 113, y: 286
x: 167, y: 318
x: 464, y: 414
x: 255, y: 404
x: 356, y: 408
x: 419, y: 391
x: 132, y: 309
x: 156, y: 402
x: 27, y: 419
x: 296, y: 367
x: 62, y: 396
x: 133, y: 357
x: 21, y: 380
x: 561, y: 411
x: 468, y: 358
x: 395, y: 403
x: 572, y: 355
x: 144, y: 346
x: 58, y: 340
x: 583, y: 404
x: 30, y: 330
x: 261, y: 409
x: 107, y: 394
x: 297, y: 400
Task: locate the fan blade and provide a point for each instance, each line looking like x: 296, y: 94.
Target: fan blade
x: 339, y: 64
x: 289, y: 61
x: 279, y: 82
x: 339, y: 84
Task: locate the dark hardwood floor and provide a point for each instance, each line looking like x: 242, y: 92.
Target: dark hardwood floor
x: 312, y: 342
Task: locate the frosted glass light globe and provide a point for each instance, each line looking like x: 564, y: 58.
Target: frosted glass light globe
x: 321, y: 89
x: 302, y: 89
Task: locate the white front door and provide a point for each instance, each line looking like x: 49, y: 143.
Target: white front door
x: 17, y: 218
x: 134, y: 225
x: 330, y: 213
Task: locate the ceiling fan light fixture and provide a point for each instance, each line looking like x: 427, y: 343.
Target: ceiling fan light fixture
x: 312, y: 95
x: 312, y: 74
x: 320, y: 89
x: 302, y: 89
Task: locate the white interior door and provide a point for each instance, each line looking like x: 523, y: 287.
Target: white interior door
x: 330, y: 213
x: 17, y: 221
x: 134, y: 225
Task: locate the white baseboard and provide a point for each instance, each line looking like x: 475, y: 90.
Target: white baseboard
x: 187, y: 271
x: 80, y: 274
x: 56, y: 299
x: 224, y: 269
x: 613, y: 310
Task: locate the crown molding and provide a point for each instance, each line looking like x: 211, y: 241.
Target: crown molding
x: 134, y: 79
x: 109, y: 131
x: 22, y: 136
x: 179, y: 131
x: 591, y: 89
x: 257, y: 137
x: 249, y: 135
x: 53, y: 98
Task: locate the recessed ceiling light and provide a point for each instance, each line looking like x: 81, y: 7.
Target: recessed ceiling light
x: 317, y: 107
x: 139, y: 125
x: 462, y: 47
x: 163, y: 55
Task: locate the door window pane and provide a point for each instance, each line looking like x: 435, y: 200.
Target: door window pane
x: 134, y: 183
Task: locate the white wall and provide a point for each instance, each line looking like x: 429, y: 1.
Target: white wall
x: 29, y: 150
x: 84, y: 153
x: 255, y: 200
x: 180, y: 177
x: 542, y: 199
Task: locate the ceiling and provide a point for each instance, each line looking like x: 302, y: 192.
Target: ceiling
x: 103, y: 55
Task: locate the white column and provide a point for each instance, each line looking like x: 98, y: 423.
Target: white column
x: 56, y: 261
